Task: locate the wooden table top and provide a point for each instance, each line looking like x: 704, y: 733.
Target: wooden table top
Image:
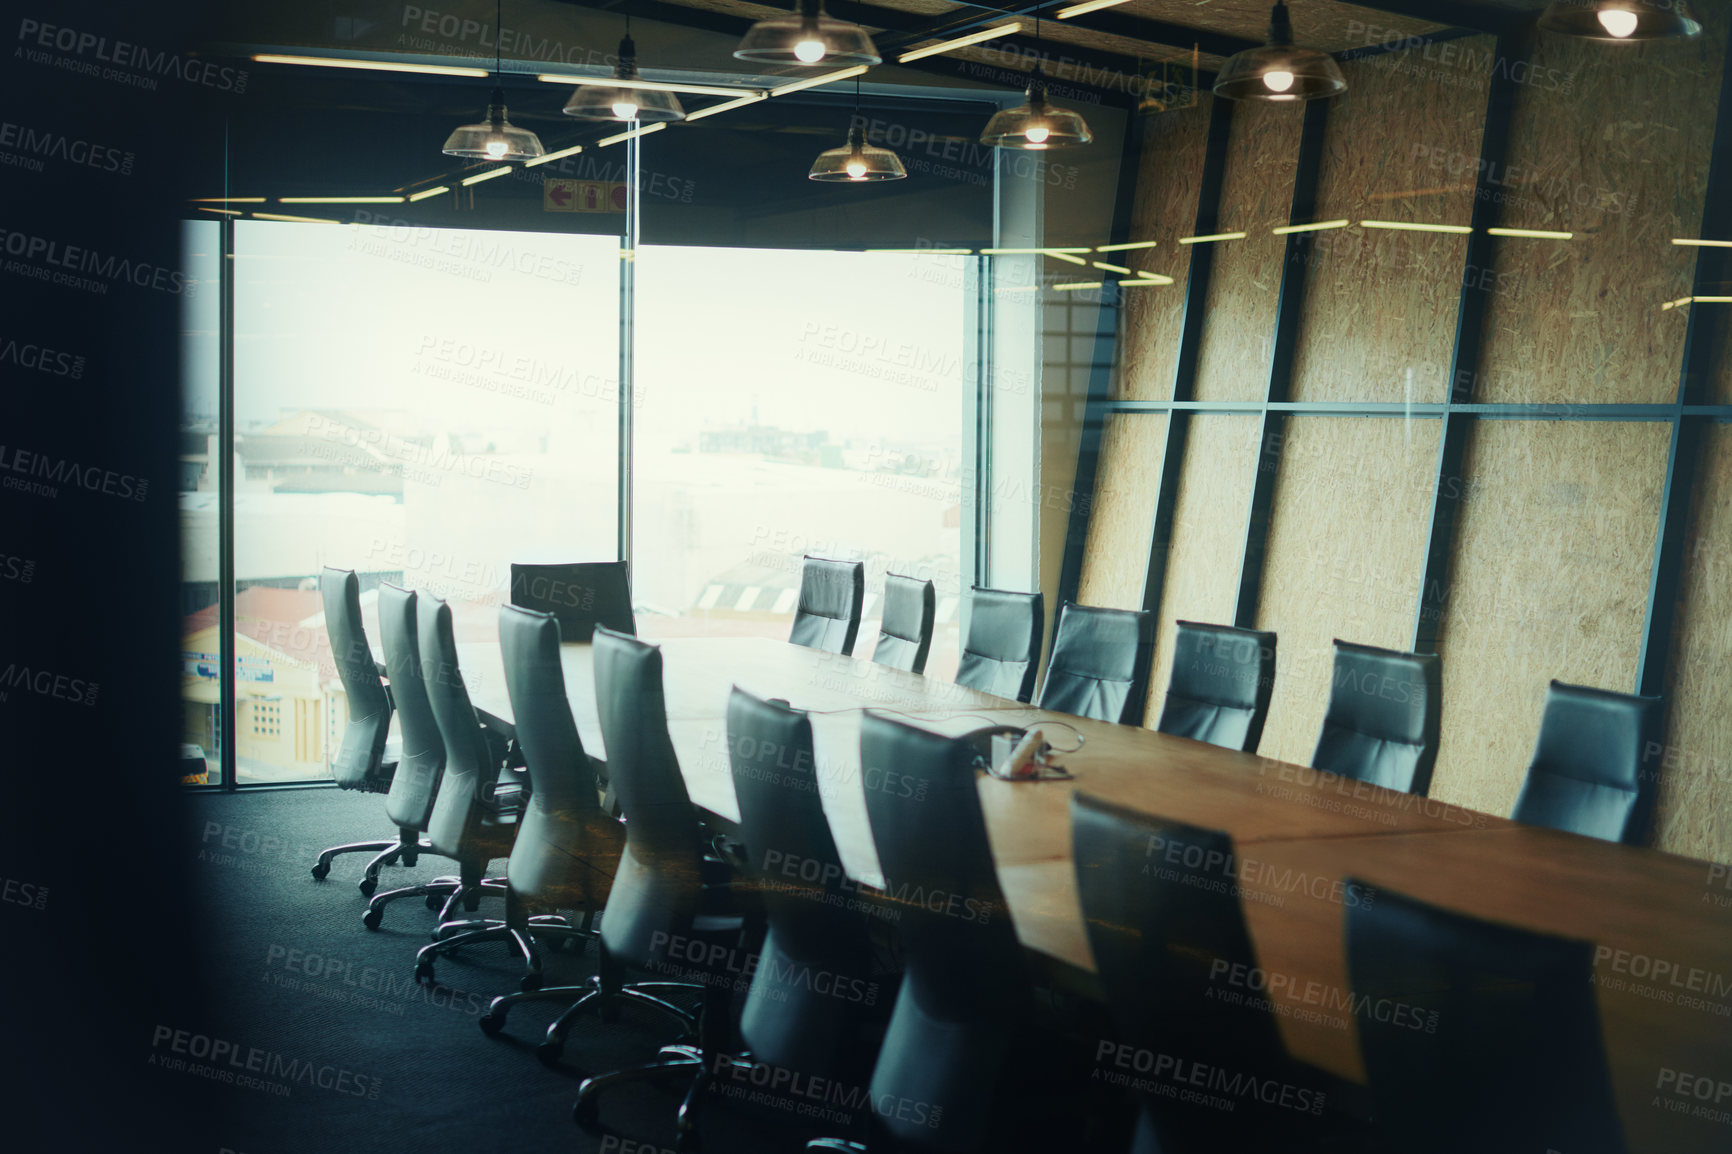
x: 1649, y: 913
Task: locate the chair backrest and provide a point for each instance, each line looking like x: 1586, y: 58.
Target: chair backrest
x: 1001, y: 654
x: 471, y: 773
x: 1100, y: 663
x: 415, y: 788
x: 816, y: 919
x: 581, y: 594
x: 567, y: 847
x: 1385, y: 709
x: 1489, y: 1030
x: 905, y: 634
x: 1221, y: 684
x: 1596, y: 767
x: 965, y: 988
x: 832, y: 594
x: 659, y: 881
x: 359, y: 763
x: 1174, y: 955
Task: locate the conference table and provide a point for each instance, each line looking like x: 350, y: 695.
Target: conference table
x: 1662, y: 924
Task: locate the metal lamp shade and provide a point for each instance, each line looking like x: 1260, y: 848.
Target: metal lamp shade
x: 1620, y: 21
x: 608, y: 101
x: 808, y: 38
x: 1280, y: 72
x: 495, y: 138
x: 1036, y: 125
x: 857, y: 162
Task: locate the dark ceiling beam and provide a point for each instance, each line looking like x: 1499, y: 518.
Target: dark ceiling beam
x: 1479, y: 17
x: 905, y: 29
x: 1079, y: 64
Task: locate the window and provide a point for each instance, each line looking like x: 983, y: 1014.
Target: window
x: 793, y: 402
x: 423, y: 406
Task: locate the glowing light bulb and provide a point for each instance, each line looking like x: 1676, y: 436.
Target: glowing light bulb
x: 496, y: 149
x: 1037, y: 133
x: 809, y: 51
x: 1617, y: 21
x: 1278, y: 79
x: 856, y: 167
x: 625, y: 108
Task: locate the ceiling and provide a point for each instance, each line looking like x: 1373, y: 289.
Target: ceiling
x: 1125, y: 38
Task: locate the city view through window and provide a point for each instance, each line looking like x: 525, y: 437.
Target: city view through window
x: 460, y: 413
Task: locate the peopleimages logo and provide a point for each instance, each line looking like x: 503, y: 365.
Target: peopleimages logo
x: 224, y: 1061
x: 46, y: 144
x: 41, y: 358
x: 28, y: 463
x: 39, y: 39
x: 76, y: 259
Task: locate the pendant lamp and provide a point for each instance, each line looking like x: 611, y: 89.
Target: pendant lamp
x: 808, y: 37
x: 495, y: 138
x: 1620, y: 21
x: 1279, y: 70
x: 624, y: 101
x: 1036, y: 124
x: 857, y: 162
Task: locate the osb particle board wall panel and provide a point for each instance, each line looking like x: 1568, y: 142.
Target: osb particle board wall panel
x: 1256, y: 195
x: 1613, y: 146
x: 1378, y: 318
x: 1695, y: 805
x: 1202, y: 577
x: 1352, y: 501
x: 1127, y: 482
x: 1169, y: 177
x: 1549, y: 578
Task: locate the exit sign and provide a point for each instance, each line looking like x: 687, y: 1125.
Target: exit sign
x: 582, y: 196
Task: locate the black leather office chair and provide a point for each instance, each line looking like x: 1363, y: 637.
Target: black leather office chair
x: 1221, y: 684
x: 581, y: 595
x: 1001, y: 654
x: 965, y: 996
x: 480, y: 804
x: 416, y: 790
x: 1166, y: 928
x: 365, y: 761
x: 567, y: 849
x: 662, y: 911
x: 1100, y: 664
x: 831, y: 596
x: 817, y: 923
x: 1596, y: 768
x: 1506, y: 1054
x: 1385, y: 708
x: 905, y: 633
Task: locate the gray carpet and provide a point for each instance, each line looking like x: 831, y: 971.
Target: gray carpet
x: 288, y: 969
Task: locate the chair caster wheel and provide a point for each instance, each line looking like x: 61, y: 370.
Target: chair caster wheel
x: 491, y: 1025
x: 587, y: 1114
x: 321, y: 871
x: 372, y: 918
x: 367, y: 885
x: 550, y: 1053
x: 409, y: 860
x: 530, y: 983
x: 434, y: 901
x: 424, y: 973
